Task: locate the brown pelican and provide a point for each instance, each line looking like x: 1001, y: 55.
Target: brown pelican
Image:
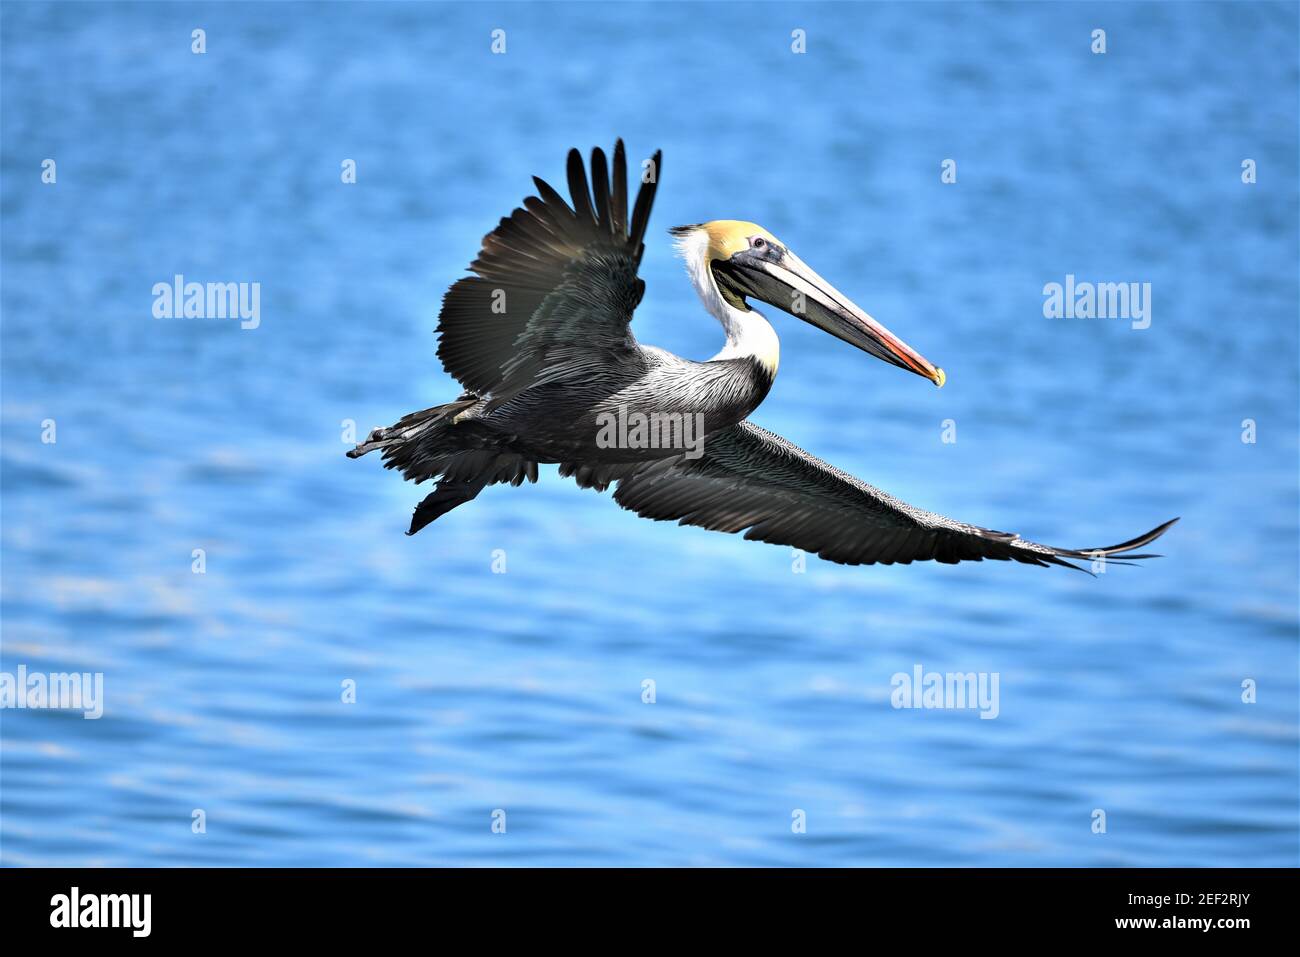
x: 539, y: 337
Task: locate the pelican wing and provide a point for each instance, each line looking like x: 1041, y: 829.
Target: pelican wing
x: 554, y: 286
x: 753, y: 480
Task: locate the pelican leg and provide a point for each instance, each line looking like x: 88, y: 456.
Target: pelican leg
x: 442, y: 500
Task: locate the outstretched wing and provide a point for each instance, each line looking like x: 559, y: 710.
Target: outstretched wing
x: 555, y: 286
x: 750, y: 479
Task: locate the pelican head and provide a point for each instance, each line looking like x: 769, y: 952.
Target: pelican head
x: 741, y: 259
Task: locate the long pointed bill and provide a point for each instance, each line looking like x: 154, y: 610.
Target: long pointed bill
x: 791, y: 285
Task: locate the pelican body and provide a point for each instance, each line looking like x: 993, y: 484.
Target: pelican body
x: 539, y: 337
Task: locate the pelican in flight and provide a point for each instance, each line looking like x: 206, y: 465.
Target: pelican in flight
x: 539, y: 337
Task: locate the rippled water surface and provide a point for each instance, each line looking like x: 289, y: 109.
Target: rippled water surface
x: 523, y: 691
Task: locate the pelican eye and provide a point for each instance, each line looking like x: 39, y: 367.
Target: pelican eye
x: 758, y: 242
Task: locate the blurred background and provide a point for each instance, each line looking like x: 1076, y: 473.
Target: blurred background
x: 523, y: 691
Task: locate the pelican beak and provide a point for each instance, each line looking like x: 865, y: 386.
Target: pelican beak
x: 779, y: 277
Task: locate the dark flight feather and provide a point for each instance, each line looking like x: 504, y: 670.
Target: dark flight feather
x: 752, y: 480
x: 552, y: 280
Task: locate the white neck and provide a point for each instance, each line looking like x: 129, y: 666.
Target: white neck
x: 749, y: 335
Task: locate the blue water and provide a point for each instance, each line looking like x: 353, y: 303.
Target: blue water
x: 522, y: 692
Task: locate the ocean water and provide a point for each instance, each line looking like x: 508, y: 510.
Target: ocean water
x: 500, y: 658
